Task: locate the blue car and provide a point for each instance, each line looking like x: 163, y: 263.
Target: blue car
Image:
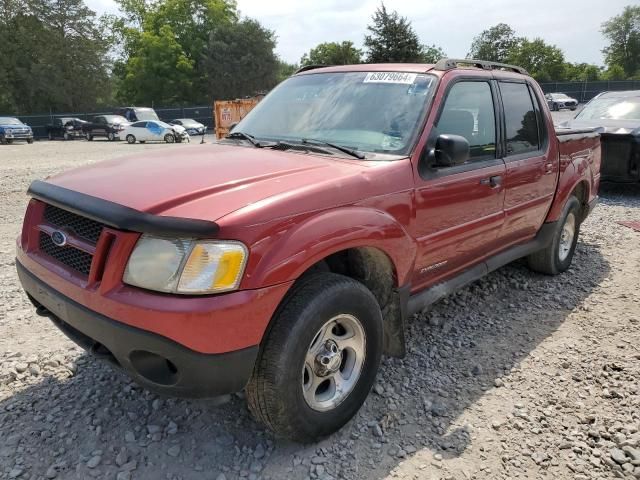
x: 13, y: 129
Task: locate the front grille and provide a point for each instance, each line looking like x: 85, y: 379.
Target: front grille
x: 70, y: 256
x: 83, y: 227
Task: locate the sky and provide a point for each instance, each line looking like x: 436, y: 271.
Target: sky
x: 572, y: 25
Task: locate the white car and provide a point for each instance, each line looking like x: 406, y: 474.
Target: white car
x: 154, y: 131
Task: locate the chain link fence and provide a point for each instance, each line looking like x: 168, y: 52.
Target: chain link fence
x: 585, y: 91
x: 39, y: 122
x: 582, y: 91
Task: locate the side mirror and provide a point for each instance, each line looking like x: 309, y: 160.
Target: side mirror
x: 450, y: 150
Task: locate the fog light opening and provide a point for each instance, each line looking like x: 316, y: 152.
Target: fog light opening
x: 154, y: 368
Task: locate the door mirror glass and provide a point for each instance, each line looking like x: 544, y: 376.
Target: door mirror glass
x: 450, y: 150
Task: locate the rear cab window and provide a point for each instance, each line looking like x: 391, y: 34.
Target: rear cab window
x: 524, y: 128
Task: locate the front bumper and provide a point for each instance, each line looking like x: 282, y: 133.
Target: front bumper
x: 152, y: 360
x: 17, y: 135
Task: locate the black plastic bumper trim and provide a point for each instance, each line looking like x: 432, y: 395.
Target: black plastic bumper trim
x: 191, y: 374
x: 119, y: 216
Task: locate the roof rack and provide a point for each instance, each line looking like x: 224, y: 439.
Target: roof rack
x: 310, y: 67
x: 451, y: 63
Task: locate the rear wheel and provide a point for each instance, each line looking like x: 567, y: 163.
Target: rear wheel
x: 169, y: 138
x: 131, y: 139
x: 557, y: 256
x: 319, y: 358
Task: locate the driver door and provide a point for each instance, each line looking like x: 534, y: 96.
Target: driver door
x: 459, y: 209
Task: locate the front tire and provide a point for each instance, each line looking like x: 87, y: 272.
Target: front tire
x: 111, y: 136
x: 557, y: 256
x: 66, y: 136
x: 50, y: 135
x: 169, y: 138
x: 131, y: 139
x: 89, y: 136
x: 555, y: 107
x: 29, y: 141
x: 319, y: 359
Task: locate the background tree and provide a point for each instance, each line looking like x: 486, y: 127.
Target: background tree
x: 432, y: 53
x: 285, y: 70
x: 494, y: 44
x: 239, y: 60
x: 332, y: 53
x: 614, y: 72
x: 581, y: 72
x: 392, y: 39
x: 623, y: 32
x: 543, y: 62
x: 54, y: 57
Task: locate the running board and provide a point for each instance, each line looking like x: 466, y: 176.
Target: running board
x: 421, y: 300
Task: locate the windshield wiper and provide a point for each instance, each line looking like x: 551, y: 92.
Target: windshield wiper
x: 245, y: 136
x: 347, y: 150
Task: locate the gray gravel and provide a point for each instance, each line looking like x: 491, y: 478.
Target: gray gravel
x: 517, y: 376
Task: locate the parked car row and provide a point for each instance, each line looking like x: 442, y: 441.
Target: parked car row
x: 133, y: 124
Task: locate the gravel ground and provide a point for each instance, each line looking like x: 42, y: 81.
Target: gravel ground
x: 517, y: 376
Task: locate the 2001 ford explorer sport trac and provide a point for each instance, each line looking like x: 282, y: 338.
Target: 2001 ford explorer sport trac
x: 287, y: 257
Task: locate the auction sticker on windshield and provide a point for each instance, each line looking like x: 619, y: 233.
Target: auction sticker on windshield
x: 390, y: 77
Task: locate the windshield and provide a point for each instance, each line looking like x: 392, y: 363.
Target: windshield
x: 612, y: 108
x: 146, y: 114
x: 10, y: 121
x: 371, y: 112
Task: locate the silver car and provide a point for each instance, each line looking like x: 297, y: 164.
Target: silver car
x: 558, y: 101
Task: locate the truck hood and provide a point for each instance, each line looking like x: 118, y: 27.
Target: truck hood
x: 621, y: 127
x: 210, y: 181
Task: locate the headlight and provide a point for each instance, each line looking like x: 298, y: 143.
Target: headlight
x: 186, y: 266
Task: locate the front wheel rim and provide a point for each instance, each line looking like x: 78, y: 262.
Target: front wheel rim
x: 567, y: 236
x: 333, y: 363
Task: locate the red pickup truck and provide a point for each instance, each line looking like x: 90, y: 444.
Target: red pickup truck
x: 287, y: 257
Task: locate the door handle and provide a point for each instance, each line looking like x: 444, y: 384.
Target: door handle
x: 493, y: 181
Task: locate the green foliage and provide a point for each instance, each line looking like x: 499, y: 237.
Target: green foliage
x: 158, y: 70
x: 543, y: 62
x: 581, y: 72
x: 285, y: 70
x: 239, y: 60
x: 392, y: 39
x: 623, y: 32
x: 332, y: 53
x: 432, y: 53
x: 54, y: 57
x: 614, y: 72
x: 199, y: 50
x: 494, y: 44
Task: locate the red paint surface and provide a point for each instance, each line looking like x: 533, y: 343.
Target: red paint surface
x: 294, y: 209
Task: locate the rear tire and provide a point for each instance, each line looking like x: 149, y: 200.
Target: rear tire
x: 327, y: 332
x: 131, y: 139
x: 557, y: 256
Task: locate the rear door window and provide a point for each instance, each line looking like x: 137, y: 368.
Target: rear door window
x: 520, y: 119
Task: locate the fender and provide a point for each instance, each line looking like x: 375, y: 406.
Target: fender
x: 287, y: 257
x: 576, y: 168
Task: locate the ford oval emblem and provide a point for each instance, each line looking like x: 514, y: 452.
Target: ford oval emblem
x: 59, y: 238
